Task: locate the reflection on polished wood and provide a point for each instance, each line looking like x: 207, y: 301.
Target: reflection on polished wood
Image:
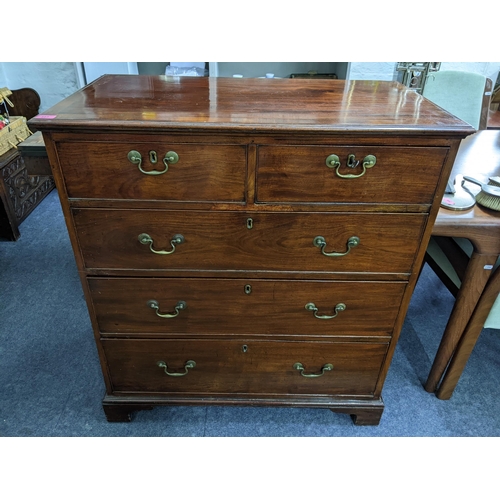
x: 140, y: 102
x: 479, y: 157
x: 494, y: 120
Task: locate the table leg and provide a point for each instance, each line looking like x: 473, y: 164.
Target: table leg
x: 469, y: 337
x: 475, y: 279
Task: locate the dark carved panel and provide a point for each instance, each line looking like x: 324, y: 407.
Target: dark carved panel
x: 23, y: 192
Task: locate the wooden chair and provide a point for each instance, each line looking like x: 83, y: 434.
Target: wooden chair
x: 466, y: 95
x: 26, y: 103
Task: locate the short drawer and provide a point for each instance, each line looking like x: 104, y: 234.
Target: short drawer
x: 300, y: 174
x: 199, y: 367
x: 190, y: 306
x: 202, y: 173
x: 192, y: 240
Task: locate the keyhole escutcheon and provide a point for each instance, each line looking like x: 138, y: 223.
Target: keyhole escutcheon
x: 153, y: 157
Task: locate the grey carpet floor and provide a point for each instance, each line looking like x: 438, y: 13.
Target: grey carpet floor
x: 51, y: 383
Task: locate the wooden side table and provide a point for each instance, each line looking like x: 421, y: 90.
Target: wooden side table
x: 478, y: 157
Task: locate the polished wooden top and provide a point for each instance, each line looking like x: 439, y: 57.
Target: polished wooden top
x: 478, y: 157
x: 140, y: 102
x: 494, y: 120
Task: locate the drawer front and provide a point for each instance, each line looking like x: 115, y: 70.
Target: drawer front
x: 253, y: 307
x: 202, y: 172
x: 300, y: 174
x: 109, y: 239
x: 240, y: 367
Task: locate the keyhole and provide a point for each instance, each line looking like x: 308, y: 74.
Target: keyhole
x: 248, y: 289
x: 351, y: 161
x: 249, y: 223
x: 153, y: 157
x: 244, y: 348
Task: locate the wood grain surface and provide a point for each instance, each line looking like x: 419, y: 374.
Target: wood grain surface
x: 131, y: 102
x: 221, y: 240
x: 227, y: 367
x: 222, y: 307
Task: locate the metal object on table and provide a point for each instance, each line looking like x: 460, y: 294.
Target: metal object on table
x: 456, y: 197
x: 414, y: 74
x: 489, y: 196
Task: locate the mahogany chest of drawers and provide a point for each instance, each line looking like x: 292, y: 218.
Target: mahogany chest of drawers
x: 248, y: 241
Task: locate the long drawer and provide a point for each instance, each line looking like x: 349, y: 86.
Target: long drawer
x: 199, y: 367
x: 299, y: 174
x: 202, y: 172
x: 253, y: 307
x: 131, y: 239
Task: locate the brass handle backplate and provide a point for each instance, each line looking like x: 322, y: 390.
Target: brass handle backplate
x: 333, y: 161
x: 325, y: 368
x: 310, y: 306
x: 135, y: 158
x: 180, y: 306
x: 320, y: 242
x: 145, y: 239
x: 189, y: 365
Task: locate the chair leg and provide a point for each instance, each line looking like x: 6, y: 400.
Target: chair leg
x: 469, y: 337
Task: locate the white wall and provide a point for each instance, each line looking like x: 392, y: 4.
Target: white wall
x: 94, y: 70
x: 3, y: 78
x: 372, y: 71
x: 53, y: 81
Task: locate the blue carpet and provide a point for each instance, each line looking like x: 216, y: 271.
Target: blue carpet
x: 51, y: 382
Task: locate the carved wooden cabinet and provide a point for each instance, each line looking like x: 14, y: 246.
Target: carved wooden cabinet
x: 20, y: 192
x: 248, y: 241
